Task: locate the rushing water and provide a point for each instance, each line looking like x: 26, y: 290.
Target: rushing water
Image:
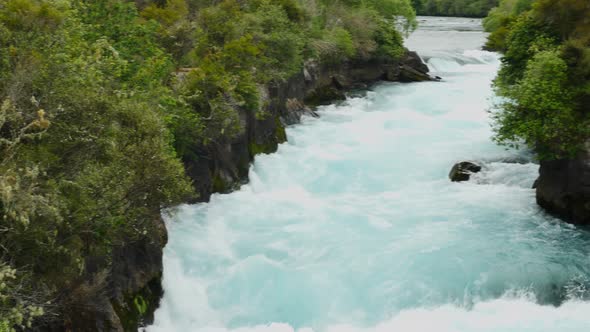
x: 353, y: 224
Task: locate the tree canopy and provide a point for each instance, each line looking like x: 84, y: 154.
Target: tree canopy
x: 465, y: 8
x: 545, y: 74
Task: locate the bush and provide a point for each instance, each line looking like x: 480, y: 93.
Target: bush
x: 335, y: 46
x: 389, y: 40
x: 500, y: 19
x: 541, y: 109
x: 77, y: 126
x: 525, y: 39
x: 400, y: 11
x: 544, y: 76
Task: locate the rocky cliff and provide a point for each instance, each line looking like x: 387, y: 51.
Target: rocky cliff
x: 223, y: 166
x: 126, y: 296
x: 563, y: 187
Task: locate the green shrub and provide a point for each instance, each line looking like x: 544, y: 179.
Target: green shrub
x: 541, y: 109
x: 544, y: 76
x: 335, y: 46
x: 389, y: 40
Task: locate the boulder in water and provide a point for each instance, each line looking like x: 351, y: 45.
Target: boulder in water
x: 413, y: 60
x: 462, y: 171
x: 409, y: 74
x: 411, y: 68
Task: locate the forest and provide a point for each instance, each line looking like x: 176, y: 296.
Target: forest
x: 95, y: 117
x: 463, y: 8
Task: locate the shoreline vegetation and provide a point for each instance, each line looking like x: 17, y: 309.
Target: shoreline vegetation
x: 103, y: 105
x: 545, y: 80
x: 544, y: 75
x: 454, y: 8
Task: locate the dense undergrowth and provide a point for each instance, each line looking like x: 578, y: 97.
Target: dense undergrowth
x: 545, y: 74
x: 100, y: 100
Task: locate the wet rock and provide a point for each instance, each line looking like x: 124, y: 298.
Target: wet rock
x: 118, y: 298
x: 413, y: 60
x: 514, y: 160
x: 563, y: 187
x: 223, y: 165
x: 462, y: 171
x: 409, y: 74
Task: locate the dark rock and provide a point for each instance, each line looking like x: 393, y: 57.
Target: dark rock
x: 410, y: 69
x: 223, y: 166
x: 118, y: 298
x: 462, y: 171
x: 393, y: 73
x: 409, y: 74
x: 563, y: 187
x: 135, y: 277
x: 296, y: 109
x: 413, y: 60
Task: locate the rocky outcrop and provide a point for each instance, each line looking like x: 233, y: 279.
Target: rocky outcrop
x: 462, y: 171
x: 120, y: 298
x: 563, y: 187
x: 223, y: 166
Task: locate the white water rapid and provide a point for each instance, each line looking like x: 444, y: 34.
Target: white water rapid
x: 353, y: 225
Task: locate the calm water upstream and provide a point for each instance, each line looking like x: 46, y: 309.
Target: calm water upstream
x: 353, y: 224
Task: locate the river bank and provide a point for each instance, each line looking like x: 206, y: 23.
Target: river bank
x: 135, y: 278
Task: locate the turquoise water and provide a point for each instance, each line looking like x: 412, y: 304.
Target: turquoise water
x: 353, y: 224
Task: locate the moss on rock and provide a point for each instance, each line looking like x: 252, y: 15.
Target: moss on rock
x: 137, y: 309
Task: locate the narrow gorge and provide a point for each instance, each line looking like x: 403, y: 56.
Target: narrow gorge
x: 353, y: 224
x: 294, y: 165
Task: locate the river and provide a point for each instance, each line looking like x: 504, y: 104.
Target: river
x: 353, y: 225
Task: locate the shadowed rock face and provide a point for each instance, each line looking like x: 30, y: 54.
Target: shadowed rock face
x: 462, y: 171
x: 121, y: 297
x: 223, y: 166
x: 563, y: 187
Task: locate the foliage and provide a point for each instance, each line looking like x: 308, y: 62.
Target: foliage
x: 335, y: 45
x: 526, y: 38
x: 545, y: 75
x: 389, y: 40
x: 500, y: 19
x: 16, y: 310
x: 395, y: 10
x: 87, y: 160
x: 540, y: 109
x: 466, y: 8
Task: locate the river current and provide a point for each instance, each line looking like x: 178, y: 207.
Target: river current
x: 353, y: 225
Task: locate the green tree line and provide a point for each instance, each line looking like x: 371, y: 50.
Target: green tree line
x: 461, y: 8
x: 94, y: 117
x: 545, y: 74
